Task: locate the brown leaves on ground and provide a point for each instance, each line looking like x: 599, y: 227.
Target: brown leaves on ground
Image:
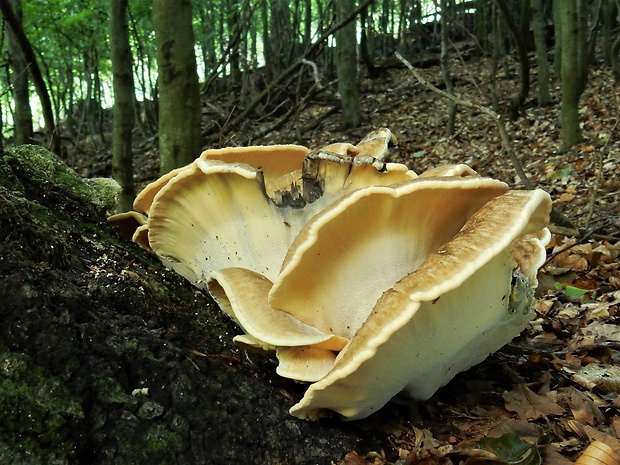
x: 556, y: 386
x: 531, y: 406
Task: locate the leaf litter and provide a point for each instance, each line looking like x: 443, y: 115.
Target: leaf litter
x: 555, y: 388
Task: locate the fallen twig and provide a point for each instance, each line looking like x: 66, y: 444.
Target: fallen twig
x: 580, y: 240
x: 557, y: 216
x: 599, y: 174
x: 497, y: 119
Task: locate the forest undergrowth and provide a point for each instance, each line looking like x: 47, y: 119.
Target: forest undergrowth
x: 555, y: 388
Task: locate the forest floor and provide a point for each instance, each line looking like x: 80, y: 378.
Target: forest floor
x: 555, y: 388
x: 557, y: 385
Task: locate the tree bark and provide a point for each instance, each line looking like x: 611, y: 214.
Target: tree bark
x: 557, y: 39
x: 538, y: 25
x: 482, y: 22
x: 524, y: 61
x: 279, y: 36
x: 53, y: 140
x: 22, y: 117
x: 346, y: 63
x: 571, y: 83
x: 609, y: 21
x: 445, y: 66
x: 615, y: 62
x: 179, y: 92
x: 124, y: 97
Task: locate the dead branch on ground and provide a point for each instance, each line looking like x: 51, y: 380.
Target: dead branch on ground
x: 557, y: 217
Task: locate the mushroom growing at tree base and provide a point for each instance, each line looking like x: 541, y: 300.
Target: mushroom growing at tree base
x: 361, y: 277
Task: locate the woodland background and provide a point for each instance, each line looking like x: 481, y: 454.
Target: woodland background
x: 181, y: 75
x: 132, y: 89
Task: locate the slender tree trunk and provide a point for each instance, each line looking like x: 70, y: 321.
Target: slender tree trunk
x: 279, y: 35
x: 569, y: 114
x: 22, y: 118
x: 538, y: 24
x: 615, y: 63
x: 98, y: 91
x: 307, y: 23
x: 124, y: 96
x: 524, y: 61
x: 482, y: 35
x: 346, y: 63
x: 365, y: 55
x: 557, y: 39
x: 609, y: 21
x: 615, y: 48
x: 584, y: 43
x: 494, y: 62
x: 179, y: 92
x: 266, y: 38
x: 445, y: 66
x: 35, y: 73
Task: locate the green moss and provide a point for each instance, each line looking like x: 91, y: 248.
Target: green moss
x: 103, y: 192
x: 157, y: 444
x: 38, y: 412
x: 111, y: 392
x: 44, y: 167
x: 29, y: 222
x: 8, y: 179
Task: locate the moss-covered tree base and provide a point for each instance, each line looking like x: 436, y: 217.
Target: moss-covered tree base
x: 107, y: 358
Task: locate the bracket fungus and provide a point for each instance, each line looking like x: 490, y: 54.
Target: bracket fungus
x: 360, y: 277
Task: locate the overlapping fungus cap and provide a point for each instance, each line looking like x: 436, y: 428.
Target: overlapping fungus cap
x: 217, y: 212
x: 463, y: 300
x: 339, y: 265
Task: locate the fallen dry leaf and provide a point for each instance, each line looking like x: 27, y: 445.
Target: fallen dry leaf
x: 598, y: 453
x: 583, y: 409
x: 529, y: 405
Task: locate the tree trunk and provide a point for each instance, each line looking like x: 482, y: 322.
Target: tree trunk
x: 482, y: 35
x: 307, y: 23
x: 278, y: 36
x: 615, y: 48
x: 495, y: 56
x: 584, y: 43
x: 236, y: 34
x: 346, y: 63
x: 609, y: 21
x: 538, y: 24
x: 569, y: 114
x: 615, y: 63
x: 524, y: 61
x: 557, y: 39
x: 22, y: 117
x: 124, y: 96
x: 445, y: 66
x: 179, y: 92
x: 35, y: 73
x: 365, y: 55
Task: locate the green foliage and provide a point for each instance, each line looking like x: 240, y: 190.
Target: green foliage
x: 510, y: 449
x: 70, y: 38
x: 570, y: 291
